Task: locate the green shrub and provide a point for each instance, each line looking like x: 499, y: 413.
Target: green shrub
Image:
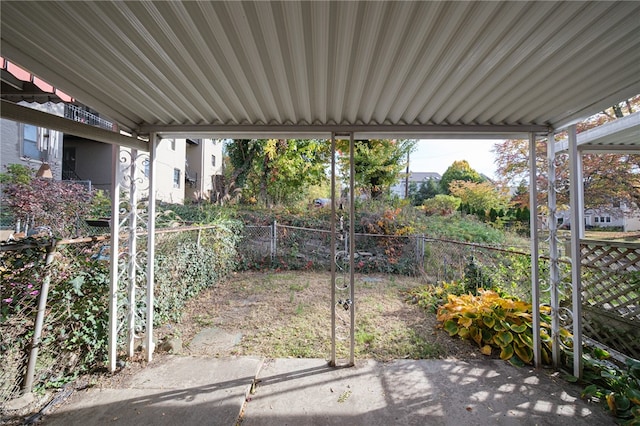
x: 616, y: 387
x: 184, y: 268
x: 430, y: 297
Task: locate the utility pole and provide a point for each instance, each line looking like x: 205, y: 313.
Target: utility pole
x: 406, y: 180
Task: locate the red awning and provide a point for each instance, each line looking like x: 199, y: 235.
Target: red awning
x: 24, y: 75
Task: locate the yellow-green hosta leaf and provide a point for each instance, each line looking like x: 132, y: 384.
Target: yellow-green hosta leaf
x: 489, y: 321
x: 463, y: 333
x: 622, y: 402
x: 501, y: 326
x: 499, y: 314
x: 451, y: 327
x: 442, y: 314
x: 465, y: 322
x: 519, y: 314
x: 633, y: 395
x: 526, y: 339
x: 475, y: 334
x: 564, y: 333
x: 486, y: 350
x: 503, y: 338
x: 518, y: 328
x: 487, y: 336
x: 471, y: 315
x: 506, y: 352
x: 546, y: 356
x: 611, y: 402
x: 601, y: 353
x: 523, y: 352
x: 516, y: 362
x: 544, y: 335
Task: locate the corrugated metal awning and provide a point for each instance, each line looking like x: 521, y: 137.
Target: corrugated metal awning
x: 621, y: 136
x: 308, y: 67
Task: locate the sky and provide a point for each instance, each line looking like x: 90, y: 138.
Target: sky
x: 436, y: 155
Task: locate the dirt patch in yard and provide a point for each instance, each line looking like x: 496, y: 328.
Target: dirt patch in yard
x: 287, y: 314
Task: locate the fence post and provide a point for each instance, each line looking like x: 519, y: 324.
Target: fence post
x: 37, y: 333
x: 274, y: 241
x: 420, y: 251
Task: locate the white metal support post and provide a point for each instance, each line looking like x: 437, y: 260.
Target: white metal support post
x: 151, y: 243
x: 352, y: 247
x: 113, y: 257
x: 554, y: 266
x: 577, y: 232
x: 132, y: 249
x: 343, y: 259
x: 332, y: 361
x: 535, y: 281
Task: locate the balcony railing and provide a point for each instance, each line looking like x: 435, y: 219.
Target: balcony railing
x: 80, y: 115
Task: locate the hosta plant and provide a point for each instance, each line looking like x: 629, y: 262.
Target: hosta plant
x: 497, y: 323
x: 617, y: 386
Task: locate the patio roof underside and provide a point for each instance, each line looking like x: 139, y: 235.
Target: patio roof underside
x: 306, y: 69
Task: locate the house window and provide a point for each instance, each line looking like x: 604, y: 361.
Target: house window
x: 213, y: 160
x: 608, y: 219
x: 176, y: 178
x: 602, y: 219
x: 30, y: 142
x: 597, y: 219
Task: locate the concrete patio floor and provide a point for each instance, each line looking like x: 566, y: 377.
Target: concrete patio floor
x: 254, y: 391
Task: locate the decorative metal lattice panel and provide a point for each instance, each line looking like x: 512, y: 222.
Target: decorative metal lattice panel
x: 611, y: 294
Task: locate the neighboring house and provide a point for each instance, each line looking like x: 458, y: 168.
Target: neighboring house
x: 401, y: 187
x: 24, y: 143
x: 31, y: 145
x: 186, y: 168
x: 203, y: 169
x: 622, y: 216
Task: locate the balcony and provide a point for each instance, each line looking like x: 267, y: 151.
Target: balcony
x: 75, y: 113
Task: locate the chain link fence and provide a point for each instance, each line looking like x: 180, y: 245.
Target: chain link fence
x: 291, y: 247
x: 75, y: 321
x: 74, y: 314
x: 480, y: 266
x: 436, y: 260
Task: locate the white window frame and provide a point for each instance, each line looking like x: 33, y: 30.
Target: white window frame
x: 176, y: 177
x: 23, y: 139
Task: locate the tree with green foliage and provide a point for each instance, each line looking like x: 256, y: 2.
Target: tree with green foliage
x: 459, y: 170
x: 240, y: 155
x: 277, y: 171
x: 378, y: 163
x: 427, y: 189
x: 479, y: 196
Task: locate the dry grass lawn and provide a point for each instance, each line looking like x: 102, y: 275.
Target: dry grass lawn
x: 287, y: 314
